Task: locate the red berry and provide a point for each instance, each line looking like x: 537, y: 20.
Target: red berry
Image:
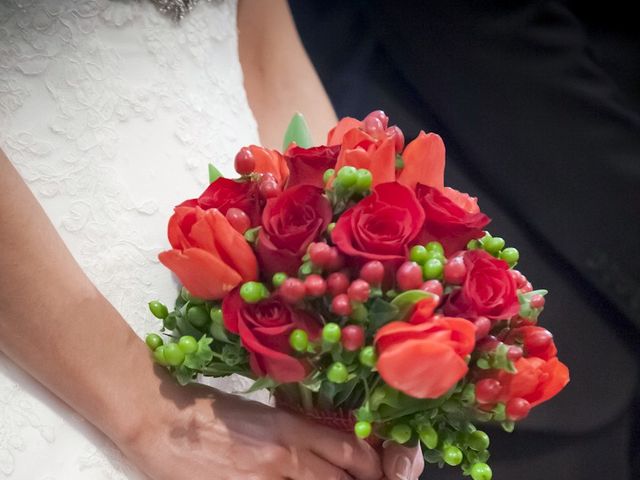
x: 320, y: 254
x: 292, y: 290
x: 244, y: 162
x: 455, y: 271
x: 377, y: 117
x: 315, y: 285
x: 337, y: 283
x: 538, y: 340
x: 336, y: 261
x: 269, y: 188
x: 517, y: 408
x: 537, y: 301
x: 488, y: 344
x: 373, y: 126
x: 518, y: 277
x: 394, y: 132
x: 359, y: 291
x: 352, y: 337
x: 432, y: 286
x: 409, y: 276
x: 527, y: 288
x: 514, y: 353
x: 238, y: 219
x: 487, y: 390
x: 483, y: 326
x: 372, y: 272
x: 340, y: 305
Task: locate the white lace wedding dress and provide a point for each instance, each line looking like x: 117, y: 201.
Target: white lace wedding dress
x: 111, y: 112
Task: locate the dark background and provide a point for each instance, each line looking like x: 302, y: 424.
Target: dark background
x: 538, y: 103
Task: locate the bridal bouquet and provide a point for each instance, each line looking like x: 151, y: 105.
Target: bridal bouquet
x: 363, y: 292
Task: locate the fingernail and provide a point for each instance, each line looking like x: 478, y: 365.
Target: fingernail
x: 403, y: 468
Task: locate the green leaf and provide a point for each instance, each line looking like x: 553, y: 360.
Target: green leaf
x: 399, y: 162
x: 220, y: 369
x: 233, y: 355
x: 214, y: 173
x: 345, y: 391
x: 508, y: 426
x: 297, y: 132
x: 381, y: 313
x: 251, y: 235
x: 260, y: 384
x: 184, y: 374
x: 407, y: 300
x: 184, y: 327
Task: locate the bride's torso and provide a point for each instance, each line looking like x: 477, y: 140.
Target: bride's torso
x: 111, y: 112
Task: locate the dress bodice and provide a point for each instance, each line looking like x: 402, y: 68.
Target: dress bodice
x: 111, y: 112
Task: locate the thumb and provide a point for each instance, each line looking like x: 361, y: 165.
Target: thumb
x: 402, y: 463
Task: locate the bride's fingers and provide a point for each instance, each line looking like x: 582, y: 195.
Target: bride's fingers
x: 346, y: 452
x: 402, y: 463
x: 308, y: 466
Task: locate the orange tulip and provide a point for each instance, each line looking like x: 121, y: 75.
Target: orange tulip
x: 270, y: 161
x: 424, y: 161
x: 346, y: 124
x: 424, y: 360
x: 209, y: 256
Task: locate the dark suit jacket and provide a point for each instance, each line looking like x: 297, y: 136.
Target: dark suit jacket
x: 549, y: 141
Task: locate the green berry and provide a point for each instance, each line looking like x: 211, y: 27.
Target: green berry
x: 173, y: 354
x: 481, y: 471
x: 478, y: 441
x: 474, y: 244
x: 299, y: 340
x: 337, y: 373
x: 330, y: 227
x: 198, y: 316
x: 437, y: 246
x: 347, y: 176
x: 367, y: 356
x: 431, y: 254
x: 432, y: 268
x: 158, y: 309
x: 331, y: 333
x: 188, y: 344
x: 278, y: 279
x: 358, y: 312
x: 170, y: 322
x: 493, y: 245
x: 401, y: 433
x: 510, y: 255
x: 153, y: 341
x: 362, y: 429
x: 452, y: 455
x: 158, y: 356
x: 418, y: 254
x: 363, y: 180
x: 253, y: 292
x: 216, y: 315
x: 428, y: 436
x: 327, y: 175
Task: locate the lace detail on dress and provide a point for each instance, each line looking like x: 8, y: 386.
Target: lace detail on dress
x: 111, y: 113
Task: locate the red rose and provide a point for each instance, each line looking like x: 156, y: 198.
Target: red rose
x: 307, y: 165
x: 224, y: 194
x: 536, y: 380
x: 447, y: 221
x: 424, y: 360
x: 264, y: 330
x: 488, y: 289
x: 290, y: 222
x: 381, y: 226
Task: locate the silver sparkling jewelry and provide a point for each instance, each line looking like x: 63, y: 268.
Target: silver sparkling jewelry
x: 175, y: 8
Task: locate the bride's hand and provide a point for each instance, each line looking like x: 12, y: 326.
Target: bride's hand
x: 197, y: 432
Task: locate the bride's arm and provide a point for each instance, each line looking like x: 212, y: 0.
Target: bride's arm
x: 279, y: 77
x: 60, y: 329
